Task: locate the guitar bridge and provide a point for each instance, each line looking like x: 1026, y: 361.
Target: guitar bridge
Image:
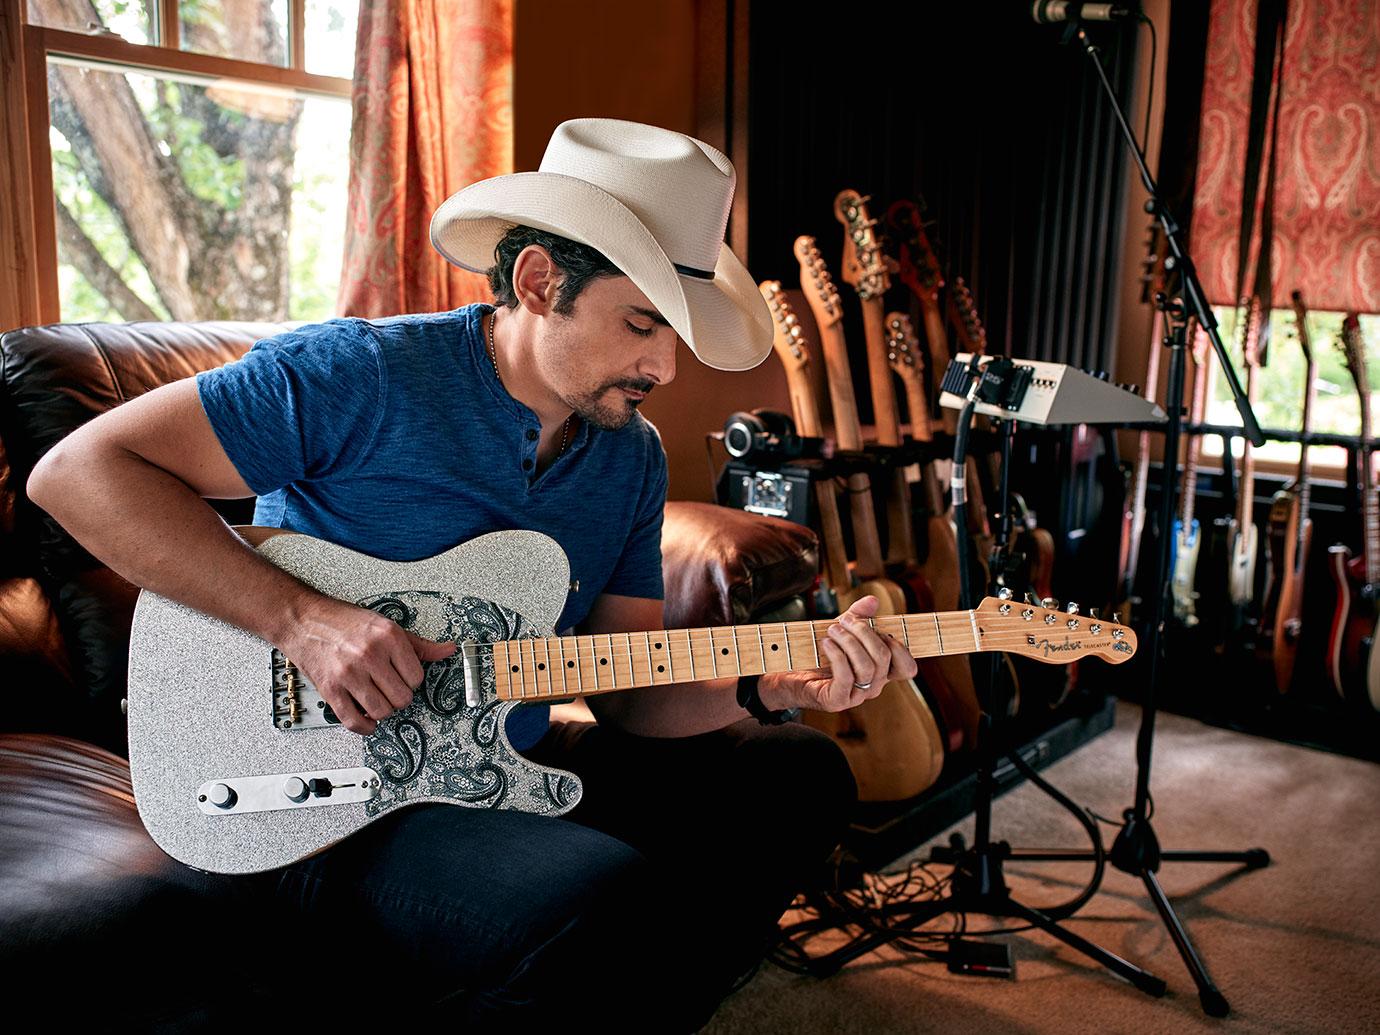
x: 297, y: 705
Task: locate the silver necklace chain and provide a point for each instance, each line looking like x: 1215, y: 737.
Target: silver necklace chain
x: 493, y: 357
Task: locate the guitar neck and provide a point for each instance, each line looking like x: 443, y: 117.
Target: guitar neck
x: 1369, y: 509
x: 884, y: 413
x: 579, y: 666
x: 1309, y: 394
x: 1245, y: 504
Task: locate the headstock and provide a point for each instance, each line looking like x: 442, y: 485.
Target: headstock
x: 865, y: 265
x: 903, y: 349
x: 1043, y: 632
x: 1251, y: 349
x: 1354, y: 348
x: 917, y: 265
x: 787, y: 338
x: 817, y: 283
x: 1301, y: 326
x: 970, y: 327
x: 1151, y: 269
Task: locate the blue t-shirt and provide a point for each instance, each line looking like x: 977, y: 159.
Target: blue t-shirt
x: 395, y: 438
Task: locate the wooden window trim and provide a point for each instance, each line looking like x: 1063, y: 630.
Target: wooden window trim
x: 28, y: 178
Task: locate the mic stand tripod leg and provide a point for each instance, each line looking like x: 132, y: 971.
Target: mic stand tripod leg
x: 978, y: 884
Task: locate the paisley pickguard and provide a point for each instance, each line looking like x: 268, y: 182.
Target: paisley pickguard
x: 438, y: 747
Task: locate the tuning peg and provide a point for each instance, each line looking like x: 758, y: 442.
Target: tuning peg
x: 1004, y: 593
x: 1072, y: 608
x: 1029, y: 597
x: 1093, y: 613
x: 1049, y: 603
x: 1116, y: 617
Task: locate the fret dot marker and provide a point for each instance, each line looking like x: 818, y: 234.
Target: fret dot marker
x: 570, y: 664
x: 658, y: 646
x: 603, y: 661
x: 661, y: 668
x: 515, y: 668
x: 541, y: 667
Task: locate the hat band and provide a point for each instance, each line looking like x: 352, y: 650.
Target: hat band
x: 690, y: 271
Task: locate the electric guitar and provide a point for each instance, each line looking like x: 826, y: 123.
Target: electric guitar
x: 1289, y: 534
x: 239, y: 765
x: 1187, y: 534
x: 1244, y: 535
x: 1353, y: 662
x: 893, y: 742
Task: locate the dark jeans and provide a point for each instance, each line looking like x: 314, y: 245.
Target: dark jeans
x: 639, y: 908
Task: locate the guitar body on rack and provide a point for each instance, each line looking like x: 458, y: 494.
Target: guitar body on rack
x: 1245, y: 537
x: 238, y: 765
x: 1289, y: 536
x: 1353, y: 662
x: 1187, y: 533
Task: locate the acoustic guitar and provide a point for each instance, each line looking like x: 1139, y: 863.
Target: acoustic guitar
x: 897, y: 748
x: 1289, y: 534
x: 239, y: 765
x: 1353, y: 662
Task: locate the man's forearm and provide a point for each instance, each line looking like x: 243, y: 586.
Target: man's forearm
x: 151, y: 528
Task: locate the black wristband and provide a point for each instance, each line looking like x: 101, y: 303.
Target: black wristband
x: 749, y: 699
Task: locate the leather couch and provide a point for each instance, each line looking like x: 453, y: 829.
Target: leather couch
x: 96, y: 922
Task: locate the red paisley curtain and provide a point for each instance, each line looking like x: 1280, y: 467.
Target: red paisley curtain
x: 1327, y: 198
x: 432, y: 113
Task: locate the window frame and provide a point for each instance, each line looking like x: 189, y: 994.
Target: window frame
x: 29, y: 295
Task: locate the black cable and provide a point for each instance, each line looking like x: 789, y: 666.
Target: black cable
x: 1150, y: 94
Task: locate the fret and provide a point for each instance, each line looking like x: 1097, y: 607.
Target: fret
x: 713, y: 653
x: 612, y: 661
x: 690, y: 649
x: 786, y: 635
x: 647, y: 645
x: 594, y: 663
x: 507, y: 668
x: 762, y: 649
x: 814, y: 639
x: 737, y: 650
x: 670, y: 664
x: 972, y: 620
x: 546, y: 651
x: 939, y: 634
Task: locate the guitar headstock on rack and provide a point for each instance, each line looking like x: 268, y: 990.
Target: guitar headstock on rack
x: 903, y: 349
x: 917, y: 265
x: 1353, y: 346
x: 817, y: 283
x: 787, y: 338
x: 972, y: 335
x: 865, y: 266
x: 1301, y: 326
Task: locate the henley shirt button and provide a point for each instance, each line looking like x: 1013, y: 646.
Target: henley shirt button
x: 527, y: 465
x: 531, y: 434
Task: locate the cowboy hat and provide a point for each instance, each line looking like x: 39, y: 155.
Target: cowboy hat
x: 655, y: 202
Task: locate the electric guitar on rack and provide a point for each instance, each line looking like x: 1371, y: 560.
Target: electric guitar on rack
x: 900, y: 702
x: 1352, y: 660
x: 960, y: 706
x: 239, y: 765
x: 1244, y: 536
x: 1289, y: 534
x: 918, y: 268
x: 896, y: 747
x: 1187, y: 533
x: 1133, y: 523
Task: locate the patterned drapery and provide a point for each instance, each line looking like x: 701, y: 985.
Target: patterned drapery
x: 433, y: 112
x: 1327, y: 198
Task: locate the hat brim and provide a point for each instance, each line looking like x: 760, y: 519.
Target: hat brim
x: 724, y: 321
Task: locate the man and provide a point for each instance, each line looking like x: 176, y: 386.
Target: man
x: 403, y: 437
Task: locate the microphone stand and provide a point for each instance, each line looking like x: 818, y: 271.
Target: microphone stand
x: 1136, y: 850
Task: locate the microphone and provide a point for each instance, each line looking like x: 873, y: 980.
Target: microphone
x: 1047, y: 12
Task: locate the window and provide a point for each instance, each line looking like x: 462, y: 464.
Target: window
x: 197, y: 157
x: 1280, y: 386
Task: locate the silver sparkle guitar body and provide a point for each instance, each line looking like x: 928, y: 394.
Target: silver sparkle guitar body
x: 238, y: 767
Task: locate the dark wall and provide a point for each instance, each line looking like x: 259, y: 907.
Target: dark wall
x: 999, y: 127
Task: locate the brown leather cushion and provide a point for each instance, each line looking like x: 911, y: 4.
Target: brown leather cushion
x: 93, y: 915
x: 724, y: 565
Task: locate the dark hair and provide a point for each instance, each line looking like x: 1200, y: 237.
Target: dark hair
x: 579, y: 263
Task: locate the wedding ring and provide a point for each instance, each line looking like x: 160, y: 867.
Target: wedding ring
x: 863, y: 686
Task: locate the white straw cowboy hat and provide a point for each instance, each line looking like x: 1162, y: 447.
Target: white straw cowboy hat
x: 654, y: 202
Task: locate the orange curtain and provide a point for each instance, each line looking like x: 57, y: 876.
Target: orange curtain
x: 433, y: 112
x: 1327, y: 198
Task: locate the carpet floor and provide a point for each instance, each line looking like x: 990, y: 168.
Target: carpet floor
x: 1294, y: 947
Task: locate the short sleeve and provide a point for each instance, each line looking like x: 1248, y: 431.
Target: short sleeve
x: 301, y: 405
x: 638, y: 571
